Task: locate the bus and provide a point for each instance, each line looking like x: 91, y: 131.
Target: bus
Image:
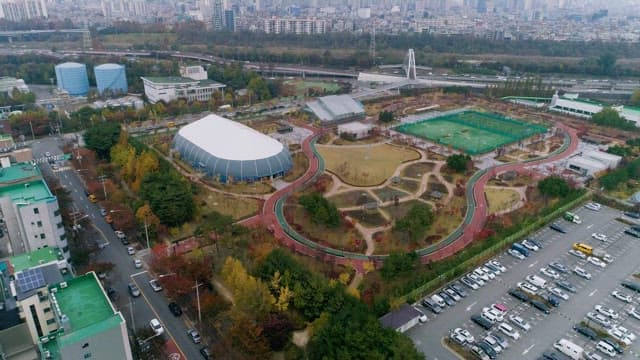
x: 584, y: 248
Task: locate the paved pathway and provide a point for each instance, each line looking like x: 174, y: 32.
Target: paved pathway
x: 269, y: 218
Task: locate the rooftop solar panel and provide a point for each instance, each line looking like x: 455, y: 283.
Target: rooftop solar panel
x: 30, y: 279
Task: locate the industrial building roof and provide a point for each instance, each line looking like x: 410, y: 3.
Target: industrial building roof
x: 354, y: 126
x: 170, y: 80
x: 587, y: 163
x: 578, y: 105
x: 228, y: 139
x: 601, y: 155
x: 35, y: 258
x: 396, y: 319
x: 335, y: 107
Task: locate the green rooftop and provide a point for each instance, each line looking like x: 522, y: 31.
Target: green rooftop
x: 170, y: 79
x: 84, y: 302
x: 38, y: 257
x: 19, y: 172
x: 27, y: 192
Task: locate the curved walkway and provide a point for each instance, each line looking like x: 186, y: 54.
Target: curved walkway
x: 273, y: 216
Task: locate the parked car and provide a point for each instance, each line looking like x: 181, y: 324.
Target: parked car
x: 137, y: 263
x: 496, y: 270
x: 582, y: 273
x: 551, y: 355
x: 599, y: 236
x: 592, y: 356
x: 431, y: 305
x: 476, y: 278
x: 616, y: 347
x: 631, y: 285
x: 599, y: 319
x: 626, y: 332
x: 520, y: 322
x: 607, y: 311
x: 516, y: 254
x: 205, y: 353
x: 469, y: 283
x: 481, y: 321
x: 499, y: 339
x: 423, y: 317
x: 455, y: 286
x: 498, y: 265
x: 155, y: 285
x: 622, y: 296
x: 557, y: 227
x: 577, y: 254
x: 558, y: 267
x: 552, y: 300
x: 528, y: 288
x: 131, y: 250
x: 540, y: 306
x: 593, y: 206
x: 447, y: 299
x: 632, y: 214
x: 452, y: 294
x: 550, y: 273
x: 457, y: 338
x: 487, y: 349
x: 175, y: 309
x: 530, y: 245
x: 634, y: 313
x: 596, y: 261
x: 559, y: 293
x: 566, y: 286
x: 519, y: 294
x: 468, y: 338
x: 509, y: 331
x: 112, y: 293
x: 586, y: 331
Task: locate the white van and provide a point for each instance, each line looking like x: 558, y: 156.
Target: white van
x: 568, y: 348
x: 439, y: 300
x: 537, y: 281
x: 606, y: 349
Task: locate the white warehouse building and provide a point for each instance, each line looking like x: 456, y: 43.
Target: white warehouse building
x: 571, y: 105
x: 592, y: 162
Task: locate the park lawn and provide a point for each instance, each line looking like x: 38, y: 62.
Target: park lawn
x: 501, y: 199
x: 447, y: 219
x: 365, y: 165
x: 417, y: 170
x: 408, y: 185
x: 368, y: 140
x: 351, y: 198
x: 371, y: 218
x: 300, y: 165
x: 255, y: 188
x: 234, y: 206
x: 341, y: 237
x: 388, y: 193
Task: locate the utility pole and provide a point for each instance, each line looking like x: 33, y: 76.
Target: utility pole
x: 198, y: 299
x: 146, y: 235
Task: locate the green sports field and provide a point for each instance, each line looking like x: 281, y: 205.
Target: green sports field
x: 473, y: 132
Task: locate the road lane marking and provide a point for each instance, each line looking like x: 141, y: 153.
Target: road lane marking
x: 528, y: 349
x: 138, y: 273
x: 159, y: 318
x: 593, y: 292
x: 101, y: 233
x: 589, y: 227
x: 471, y: 305
x: 533, y: 264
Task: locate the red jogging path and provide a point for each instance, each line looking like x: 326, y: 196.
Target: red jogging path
x: 469, y: 231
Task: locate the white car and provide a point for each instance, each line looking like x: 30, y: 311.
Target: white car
x: 131, y: 250
x: 528, y: 288
x: 493, y: 313
x: 529, y: 245
x: 520, y: 322
x: 559, y: 293
x: 489, y: 272
x: 599, y: 236
x: 498, y: 265
x: 477, y: 279
x: 509, y: 331
x: 596, y: 261
x: 607, y: 311
x: 137, y: 263
x: 516, y: 254
x: 634, y: 313
x: 155, y: 285
x: 465, y: 334
x: 593, y: 206
x: 582, y: 273
x: 626, y: 332
x: 622, y: 296
x: 550, y: 273
x: 423, y: 318
x: 599, y: 319
x: 491, y: 341
x: 156, y: 326
x: 619, y: 335
x: 577, y: 253
x: 454, y: 295
x: 481, y: 274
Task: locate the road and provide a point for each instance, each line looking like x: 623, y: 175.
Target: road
x: 144, y: 308
x: 546, y: 329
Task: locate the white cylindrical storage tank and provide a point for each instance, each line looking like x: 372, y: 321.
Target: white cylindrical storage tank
x: 111, y: 77
x: 72, y: 77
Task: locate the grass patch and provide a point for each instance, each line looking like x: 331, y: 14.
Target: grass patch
x: 369, y: 140
x: 256, y: 188
x: 447, y: 219
x: 341, y: 237
x: 300, y: 165
x: 459, y: 350
x: 501, y: 199
x: 398, y: 212
x: 351, y: 198
x: 366, y: 165
x: 236, y: 207
x: 417, y: 170
x: 388, y: 193
x: 368, y: 218
x: 301, y: 86
x: 410, y: 186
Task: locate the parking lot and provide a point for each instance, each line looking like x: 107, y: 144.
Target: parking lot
x: 546, y: 329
